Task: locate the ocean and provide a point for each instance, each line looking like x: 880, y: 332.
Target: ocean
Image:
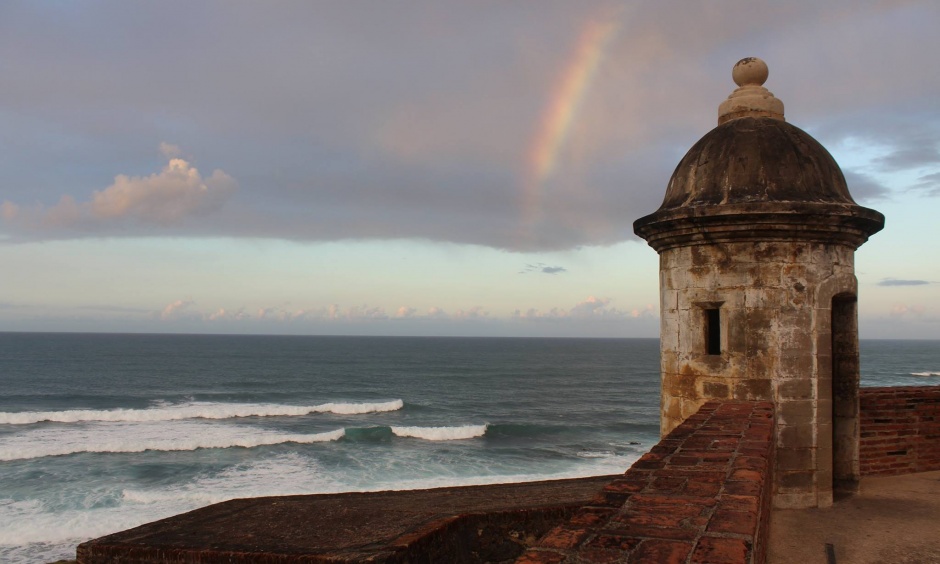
x: 100, y: 432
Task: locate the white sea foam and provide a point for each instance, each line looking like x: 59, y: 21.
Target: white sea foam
x: 33, y: 533
x: 289, y: 474
x: 594, y: 454
x: 441, y: 433
x: 925, y: 373
x: 138, y: 437
x: 195, y: 410
x: 599, y: 466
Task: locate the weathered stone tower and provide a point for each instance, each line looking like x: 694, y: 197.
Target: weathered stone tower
x: 756, y: 238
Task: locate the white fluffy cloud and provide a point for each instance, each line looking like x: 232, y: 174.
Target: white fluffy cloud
x: 169, y: 197
x: 174, y: 310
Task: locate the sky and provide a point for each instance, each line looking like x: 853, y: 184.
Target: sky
x: 425, y: 167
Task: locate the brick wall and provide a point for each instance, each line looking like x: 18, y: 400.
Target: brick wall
x: 702, y: 494
x: 899, y: 430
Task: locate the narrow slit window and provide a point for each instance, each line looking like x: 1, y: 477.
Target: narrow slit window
x: 713, y: 330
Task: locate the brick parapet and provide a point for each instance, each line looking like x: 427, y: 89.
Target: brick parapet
x: 702, y: 494
x: 899, y: 430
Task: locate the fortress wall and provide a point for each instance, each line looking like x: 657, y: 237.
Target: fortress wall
x: 900, y: 430
x: 702, y: 494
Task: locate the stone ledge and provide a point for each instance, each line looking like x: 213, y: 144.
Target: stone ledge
x: 489, y: 523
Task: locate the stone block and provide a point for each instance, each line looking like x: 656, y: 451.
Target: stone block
x: 790, y: 459
x: 795, y: 482
x: 764, y: 298
x: 823, y: 370
x: 737, y: 522
x: 668, y: 362
x: 704, y: 255
x: 796, y: 365
x: 689, y: 407
x: 669, y: 335
x: 794, y: 499
x: 795, y: 389
x: 796, y: 436
x: 680, y: 385
x: 797, y: 412
x: 669, y: 300
x: 539, y: 557
x: 661, y: 551
x: 703, y: 277
x: 755, y: 389
x: 736, y: 330
x: 616, y: 542
x: 760, y: 364
x: 715, y: 549
x: 823, y: 326
x: 563, y: 537
x: 715, y: 390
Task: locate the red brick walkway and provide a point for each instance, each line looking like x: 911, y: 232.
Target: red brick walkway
x: 701, y: 495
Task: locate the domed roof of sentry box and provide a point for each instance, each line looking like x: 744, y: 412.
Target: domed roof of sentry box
x: 756, y: 177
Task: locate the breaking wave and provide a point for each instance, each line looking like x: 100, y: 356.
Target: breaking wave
x: 441, y: 433
x: 925, y: 373
x: 140, y: 437
x: 196, y: 410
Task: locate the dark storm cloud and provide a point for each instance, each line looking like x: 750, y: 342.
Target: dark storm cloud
x: 897, y: 282
x: 354, y: 121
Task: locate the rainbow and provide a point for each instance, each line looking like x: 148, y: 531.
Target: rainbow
x: 563, y: 106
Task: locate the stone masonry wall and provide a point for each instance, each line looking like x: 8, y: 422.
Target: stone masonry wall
x: 775, y: 303
x: 900, y: 430
x: 703, y: 494
x: 768, y: 295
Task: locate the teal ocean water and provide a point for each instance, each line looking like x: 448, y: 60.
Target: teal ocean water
x: 99, y: 433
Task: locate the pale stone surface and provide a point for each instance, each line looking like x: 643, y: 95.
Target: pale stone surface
x: 750, y: 99
x: 891, y: 519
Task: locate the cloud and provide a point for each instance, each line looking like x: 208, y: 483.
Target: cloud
x: 911, y: 152
x: 897, y: 282
x: 592, y: 308
x: 864, y: 188
x: 174, y: 310
x: 223, y: 314
x: 405, y: 312
x: 112, y: 308
x: 169, y: 150
x: 415, y: 122
x: 903, y: 310
x: 476, y: 312
x: 542, y: 268
x: 171, y: 196
x: 435, y: 312
x: 438, y: 314
x: 930, y: 183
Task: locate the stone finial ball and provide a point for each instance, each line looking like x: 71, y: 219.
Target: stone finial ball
x: 750, y: 70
